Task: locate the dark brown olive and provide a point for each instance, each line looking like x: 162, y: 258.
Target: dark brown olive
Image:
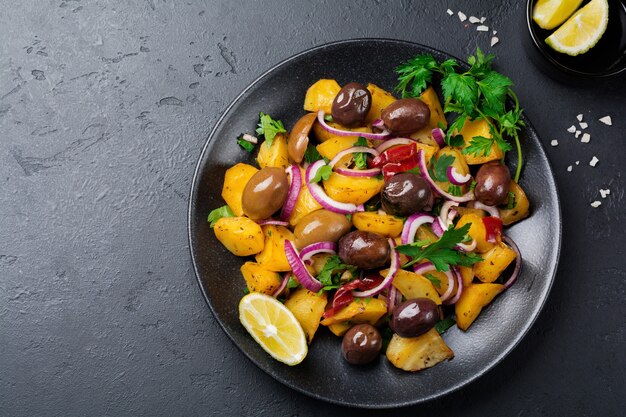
x: 365, y: 250
x: 405, y: 194
x: 351, y: 105
x: 493, y: 181
x: 361, y: 344
x: 265, y: 193
x: 299, y: 137
x: 414, y: 317
x: 321, y: 225
x: 405, y: 116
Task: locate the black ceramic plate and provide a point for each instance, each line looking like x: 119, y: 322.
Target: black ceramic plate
x: 324, y: 374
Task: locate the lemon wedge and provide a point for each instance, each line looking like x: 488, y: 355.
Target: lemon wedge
x: 549, y: 14
x: 273, y: 327
x: 581, y: 31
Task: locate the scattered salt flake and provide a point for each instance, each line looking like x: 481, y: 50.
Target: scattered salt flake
x: 586, y: 138
x: 606, y: 120
x: 495, y: 32
x: 482, y: 19
x: 569, y: 168
x: 580, y: 117
x: 482, y: 28
x: 596, y: 204
x: 577, y: 162
x: 583, y: 125
x: 577, y: 134
x: 594, y: 161
x: 474, y: 19
x: 571, y: 129
x: 462, y: 17
x: 554, y: 142
x: 604, y: 193
x: 450, y: 12
x: 494, y: 40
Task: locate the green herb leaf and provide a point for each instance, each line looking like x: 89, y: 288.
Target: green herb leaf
x: 360, y: 158
x: 455, y: 190
x: 292, y: 282
x: 436, y: 281
x: 323, y: 173
x: 248, y: 146
x: 439, y: 167
x: 415, y: 74
x: 442, y: 325
x: 311, y: 154
x: 462, y: 89
x: 218, y: 213
x: 479, y: 145
x: 329, y: 118
x: 331, y: 272
x: 481, y: 63
x: 269, y: 128
x: 473, y: 185
x: 494, y: 88
x: 246, y: 290
x: 511, y: 203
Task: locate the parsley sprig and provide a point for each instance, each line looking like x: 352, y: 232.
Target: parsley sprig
x: 331, y: 272
x: 479, y: 93
x: 441, y: 253
x: 360, y: 158
x: 218, y: 213
x: 269, y: 128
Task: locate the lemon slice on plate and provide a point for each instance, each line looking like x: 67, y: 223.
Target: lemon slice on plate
x: 274, y: 327
x: 581, y: 31
x: 549, y: 14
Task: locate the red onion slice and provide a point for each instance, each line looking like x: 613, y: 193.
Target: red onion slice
x: 391, y: 274
x: 467, y: 247
x: 518, y: 261
x: 339, y: 132
x: 438, y: 135
x: 392, y: 298
x: 295, y: 186
x: 320, y: 195
x: 354, y: 149
x: 469, y: 196
x: 412, y: 224
x: 372, y: 172
x: 437, y: 227
x: 459, y: 291
x: 282, y: 286
x: 394, y: 142
x: 320, y: 247
x: 378, y: 124
x: 299, y: 269
x: 492, y: 210
x: 272, y: 222
x: 456, y: 178
x: 444, y: 212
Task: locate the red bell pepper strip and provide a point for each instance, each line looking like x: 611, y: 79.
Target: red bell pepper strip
x: 344, y: 296
x: 493, y: 228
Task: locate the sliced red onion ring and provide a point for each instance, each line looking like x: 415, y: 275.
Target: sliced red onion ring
x: 282, y: 286
x: 378, y: 124
x: 518, y: 261
x: 372, y: 172
x: 438, y: 135
x: 412, y: 224
x: 392, y: 298
x: 339, y: 132
x: 303, y: 276
x: 469, y: 196
x: 393, y: 270
x: 456, y: 178
x: 492, y: 210
x: 313, y: 249
x: 320, y: 195
x: 394, y: 142
x: 272, y: 222
x: 295, y: 186
x: 459, y: 291
x: 451, y: 215
x: 426, y: 267
x: 437, y: 227
x: 467, y: 247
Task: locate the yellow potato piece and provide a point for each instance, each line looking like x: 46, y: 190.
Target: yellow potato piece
x: 380, y: 100
x: 320, y: 96
x: 308, y: 308
x: 259, y: 279
x: 521, y: 209
x: 473, y: 299
x: 494, y: 262
x: 382, y: 224
x: 305, y: 203
x: 477, y: 231
x: 359, y: 311
x: 276, y: 155
x: 355, y: 190
x: 240, y: 235
x: 273, y: 257
x: 417, y: 353
x: 412, y: 285
x: 480, y: 127
x: 235, y: 181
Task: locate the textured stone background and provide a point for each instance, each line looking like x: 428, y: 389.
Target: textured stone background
x: 104, y: 108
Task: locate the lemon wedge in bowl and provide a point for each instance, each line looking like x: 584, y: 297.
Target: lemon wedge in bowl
x: 581, y: 31
x: 273, y: 327
x: 549, y: 14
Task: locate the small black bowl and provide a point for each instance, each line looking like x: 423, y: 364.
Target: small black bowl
x: 606, y: 59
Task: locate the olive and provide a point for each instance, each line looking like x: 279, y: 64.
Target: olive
x: 361, y: 344
x: 351, y: 105
x: 405, y: 194
x: 299, y: 137
x: 319, y: 226
x: 365, y: 250
x: 414, y: 317
x: 265, y: 193
x: 405, y: 116
x: 493, y: 181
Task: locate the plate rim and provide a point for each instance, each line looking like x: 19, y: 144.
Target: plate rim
x: 455, y: 387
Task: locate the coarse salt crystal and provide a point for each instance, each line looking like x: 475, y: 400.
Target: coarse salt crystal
x: 577, y: 134
x: 569, y: 168
x: 604, y: 193
x: 482, y: 19
x: 594, y: 161
x: 577, y: 162
x: 495, y: 32
x: 586, y: 138
x: 554, y: 142
x: 596, y: 204
x: 580, y: 117
x: 474, y: 19
x: 450, y: 12
x: 583, y: 125
x: 482, y: 28
x: 571, y: 129
x: 606, y: 120
x: 462, y: 17
x: 494, y: 40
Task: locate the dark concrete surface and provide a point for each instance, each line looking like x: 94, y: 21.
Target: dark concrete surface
x: 104, y: 108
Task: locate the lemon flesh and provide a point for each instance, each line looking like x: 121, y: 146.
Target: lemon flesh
x: 581, y: 31
x: 549, y: 14
x: 273, y: 327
